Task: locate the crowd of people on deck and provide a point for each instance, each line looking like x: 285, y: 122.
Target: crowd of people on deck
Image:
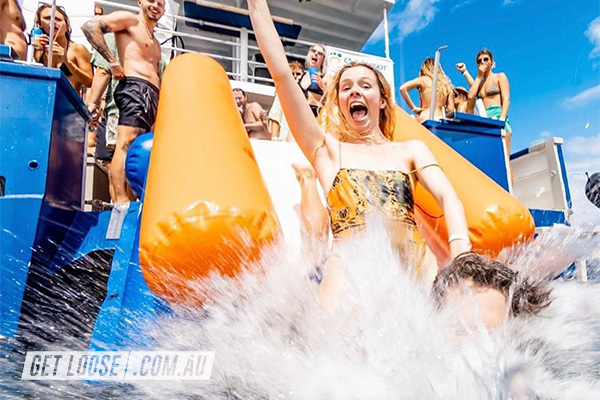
x: 342, y: 122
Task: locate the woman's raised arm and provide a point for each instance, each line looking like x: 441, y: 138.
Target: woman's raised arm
x: 301, y: 120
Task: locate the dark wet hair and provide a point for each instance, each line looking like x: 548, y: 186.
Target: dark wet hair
x: 527, y: 298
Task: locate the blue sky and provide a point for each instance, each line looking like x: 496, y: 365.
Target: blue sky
x: 550, y: 51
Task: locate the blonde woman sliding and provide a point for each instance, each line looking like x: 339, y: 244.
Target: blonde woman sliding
x: 358, y: 166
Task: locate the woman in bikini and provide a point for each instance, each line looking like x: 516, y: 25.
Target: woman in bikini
x: 314, y: 87
x: 492, y: 88
x: 444, y: 93
x: 72, y: 58
x: 358, y: 166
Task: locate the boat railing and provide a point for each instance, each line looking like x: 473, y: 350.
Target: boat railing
x: 235, y: 48
x: 540, y: 181
x: 236, y: 54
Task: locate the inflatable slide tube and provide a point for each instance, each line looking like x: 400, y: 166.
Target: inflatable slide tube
x: 206, y: 208
x: 496, y: 219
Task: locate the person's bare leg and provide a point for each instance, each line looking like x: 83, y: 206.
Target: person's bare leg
x: 118, y: 181
x: 313, y: 214
x: 111, y: 190
x: 330, y: 289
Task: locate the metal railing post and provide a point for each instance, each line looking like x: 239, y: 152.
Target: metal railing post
x: 244, y: 54
x: 436, y: 67
x: 51, y: 38
x: 386, y: 32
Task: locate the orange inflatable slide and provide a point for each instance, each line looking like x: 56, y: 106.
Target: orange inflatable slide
x: 206, y: 206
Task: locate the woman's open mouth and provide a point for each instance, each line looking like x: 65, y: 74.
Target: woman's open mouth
x: 358, y: 112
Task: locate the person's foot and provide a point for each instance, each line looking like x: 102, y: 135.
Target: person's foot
x: 304, y: 172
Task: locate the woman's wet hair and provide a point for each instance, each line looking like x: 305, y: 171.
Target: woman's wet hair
x: 334, y: 122
x: 443, y: 83
x: 525, y: 297
x: 37, y: 20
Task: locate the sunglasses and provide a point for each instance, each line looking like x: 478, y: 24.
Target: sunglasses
x: 317, y: 52
x: 296, y: 74
x: 484, y: 59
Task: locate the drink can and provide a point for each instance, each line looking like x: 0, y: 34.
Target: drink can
x: 312, y: 71
x: 36, y: 35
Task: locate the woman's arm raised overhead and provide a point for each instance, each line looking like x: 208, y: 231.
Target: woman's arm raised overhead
x: 301, y: 120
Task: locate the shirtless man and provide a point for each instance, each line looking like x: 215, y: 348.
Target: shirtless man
x: 136, y: 95
x: 252, y: 115
x: 12, y: 27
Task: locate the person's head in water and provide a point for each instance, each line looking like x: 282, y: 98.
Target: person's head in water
x: 316, y: 57
x: 358, y: 104
x: 485, y: 56
x: 62, y: 25
x: 487, y: 288
x: 443, y: 83
x: 152, y: 9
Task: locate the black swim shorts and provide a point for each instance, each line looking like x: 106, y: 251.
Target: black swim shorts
x: 103, y: 152
x: 137, y: 100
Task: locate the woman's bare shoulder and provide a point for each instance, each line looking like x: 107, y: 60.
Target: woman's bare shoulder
x: 411, y: 145
x: 501, y: 76
x: 79, y: 49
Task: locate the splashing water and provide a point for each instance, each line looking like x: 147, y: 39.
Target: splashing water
x: 385, y: 340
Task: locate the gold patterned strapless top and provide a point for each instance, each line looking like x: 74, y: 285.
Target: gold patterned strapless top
x: 356, y: 193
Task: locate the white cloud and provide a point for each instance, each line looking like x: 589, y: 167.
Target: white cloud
x: 462, y: 4
x: 582, y: 98
x: 593, y: 34
x: 545, y: 134
x: 416, y: 16
x: 584, y: 147
x: 509, y: 2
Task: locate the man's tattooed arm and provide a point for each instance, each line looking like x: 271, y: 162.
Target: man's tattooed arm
x: 94, y: 31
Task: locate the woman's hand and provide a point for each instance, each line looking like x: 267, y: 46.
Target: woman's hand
x: 316, y: 78
x: 459, y: 246
x: 44, y: 40
x: 417, y: 110
x: 95, y: 111
x: 483, y: 69
x: 117, y: 71
x: 58, y: 53
x: 461, y: 67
